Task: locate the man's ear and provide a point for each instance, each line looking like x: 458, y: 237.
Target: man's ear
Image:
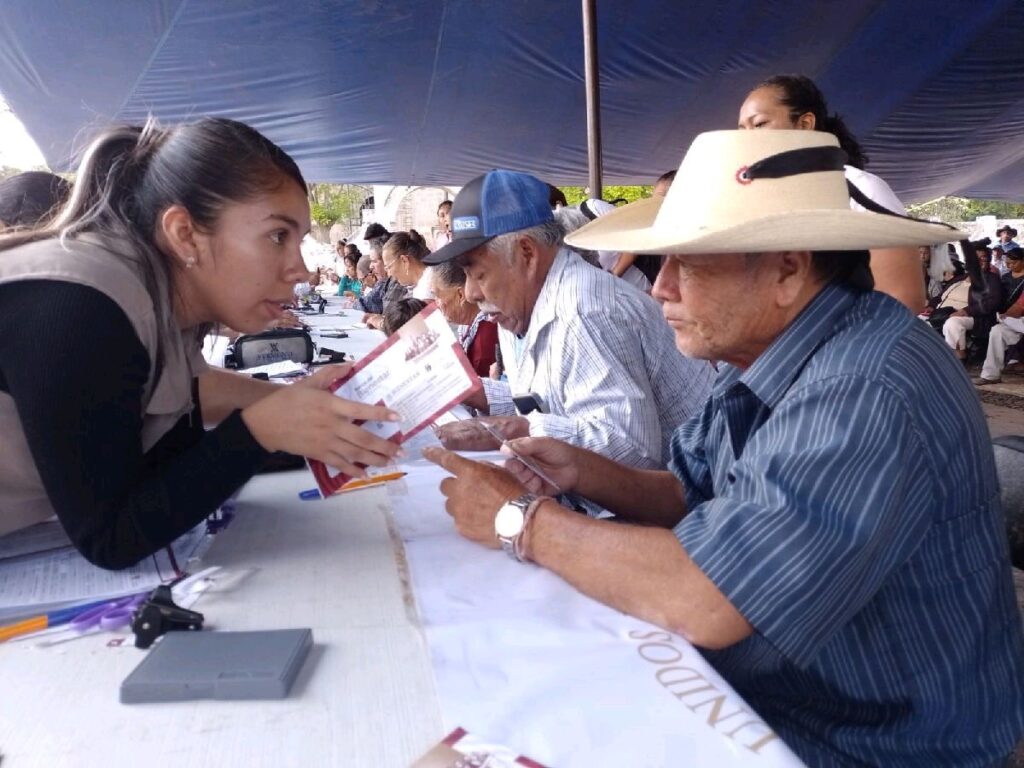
x: 177, y: 231
x: 528, y: 249
x: 795, y: 271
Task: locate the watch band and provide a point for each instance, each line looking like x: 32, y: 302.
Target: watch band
x: 522, y: 503
x: 517, y: 541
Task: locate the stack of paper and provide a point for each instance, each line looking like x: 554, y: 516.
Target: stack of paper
x: 54, y: 579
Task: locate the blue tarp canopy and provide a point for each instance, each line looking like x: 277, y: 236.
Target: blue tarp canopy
x: 401, y: 91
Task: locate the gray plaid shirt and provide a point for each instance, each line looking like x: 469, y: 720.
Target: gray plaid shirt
x: 604, y: 363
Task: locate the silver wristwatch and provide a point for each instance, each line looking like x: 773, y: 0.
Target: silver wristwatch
x: 511, y: 520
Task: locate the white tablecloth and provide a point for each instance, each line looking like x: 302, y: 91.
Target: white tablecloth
x: 523, y: 659
x: 416, y: 631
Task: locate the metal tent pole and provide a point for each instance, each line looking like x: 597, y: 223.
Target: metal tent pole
x: 593, y: 96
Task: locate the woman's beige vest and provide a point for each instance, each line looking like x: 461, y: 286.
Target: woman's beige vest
x: 174, y: 360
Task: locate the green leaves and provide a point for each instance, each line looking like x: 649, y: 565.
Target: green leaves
x: 329, y: 203
x: 576, y: 195
x: 962, y: 209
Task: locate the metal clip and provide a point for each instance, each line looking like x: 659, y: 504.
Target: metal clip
x: 159, y: 615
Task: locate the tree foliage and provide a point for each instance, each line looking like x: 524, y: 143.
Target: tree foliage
x: 331, y: 203
x: 963, y: 209
x: 576, y: 195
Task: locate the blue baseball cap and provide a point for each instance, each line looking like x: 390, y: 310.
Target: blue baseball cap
x: 494, y: 204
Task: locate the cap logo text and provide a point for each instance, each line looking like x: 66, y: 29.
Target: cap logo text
x: 465, y: 223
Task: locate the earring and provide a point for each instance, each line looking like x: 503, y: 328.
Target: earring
x: 189, y: 263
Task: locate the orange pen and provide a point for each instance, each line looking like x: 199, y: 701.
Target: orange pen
x: 364, y: 482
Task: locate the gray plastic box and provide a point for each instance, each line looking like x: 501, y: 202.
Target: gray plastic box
x: 219, y: 665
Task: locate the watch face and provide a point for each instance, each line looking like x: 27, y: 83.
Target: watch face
x: 509, y: 521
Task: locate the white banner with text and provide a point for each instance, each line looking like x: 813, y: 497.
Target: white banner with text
x: 523, y: 659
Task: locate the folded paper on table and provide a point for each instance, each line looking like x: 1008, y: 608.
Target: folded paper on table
x: 420, y: 371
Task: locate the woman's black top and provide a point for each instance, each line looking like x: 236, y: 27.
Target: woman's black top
x: 70, y: 359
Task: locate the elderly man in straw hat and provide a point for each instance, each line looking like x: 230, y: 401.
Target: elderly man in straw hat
x: 829, y: 530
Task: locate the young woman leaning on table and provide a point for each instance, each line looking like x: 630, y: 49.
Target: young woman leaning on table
x: 103, y: 392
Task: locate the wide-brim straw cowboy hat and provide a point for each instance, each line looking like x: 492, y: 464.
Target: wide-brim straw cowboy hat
x: 756, y: 191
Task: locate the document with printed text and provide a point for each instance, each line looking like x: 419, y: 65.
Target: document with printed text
x: 421, y: 372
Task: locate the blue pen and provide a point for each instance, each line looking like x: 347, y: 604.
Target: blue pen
x: 310, y: 495
x: 47, y: 620
x: 65, y: 615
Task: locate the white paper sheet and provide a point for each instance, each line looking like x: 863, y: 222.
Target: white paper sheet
x: 41, y: 537
x: 282, y: 368
x: 35, y: 584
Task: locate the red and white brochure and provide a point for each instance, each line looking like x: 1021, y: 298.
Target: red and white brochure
x: 420, y: 371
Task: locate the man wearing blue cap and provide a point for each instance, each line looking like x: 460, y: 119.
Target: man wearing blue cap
x: 588, y: 358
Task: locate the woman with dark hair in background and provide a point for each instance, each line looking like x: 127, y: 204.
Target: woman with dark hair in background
x: 477, y: 334
x: 400, y: 312
x: 349, y: 282
x: 27, y: 198
x: 444, y: 220
x: 102, y: 405
x: 403, y: 260
x: 795, y: 102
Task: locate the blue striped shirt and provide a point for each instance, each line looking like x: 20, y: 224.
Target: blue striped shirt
x: 843, y: 497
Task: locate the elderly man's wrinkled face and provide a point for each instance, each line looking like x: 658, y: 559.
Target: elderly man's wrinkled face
x: 720, y: 306
x: 502, y: 289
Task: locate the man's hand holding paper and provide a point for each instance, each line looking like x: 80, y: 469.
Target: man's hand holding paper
x: 559, y: 461
x: 472, y: 435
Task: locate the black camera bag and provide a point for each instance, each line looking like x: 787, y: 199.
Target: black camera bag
x: 272, y: 346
